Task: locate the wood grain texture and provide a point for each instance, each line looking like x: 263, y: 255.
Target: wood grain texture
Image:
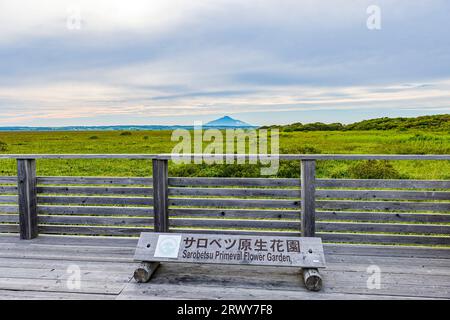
x: 308, y: 198
x: 95, y: 190
x: 95, y: 210
x: 94, y: 181
x: 161, y: 195
x: 8, y: 180
x: 231, y: 156
x: 37, y: 269
x: 27, y: 188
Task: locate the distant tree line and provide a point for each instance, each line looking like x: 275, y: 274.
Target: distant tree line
x: 435, y: 122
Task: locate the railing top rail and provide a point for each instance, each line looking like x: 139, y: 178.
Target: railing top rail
x: 234, y: 156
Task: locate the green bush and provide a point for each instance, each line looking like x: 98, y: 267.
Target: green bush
x: 126, y: 133
x: 373, y: 169
x: 3, y: 146
x: 93, y: 138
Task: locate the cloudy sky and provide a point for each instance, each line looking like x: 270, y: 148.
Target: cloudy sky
x: 262, y: 61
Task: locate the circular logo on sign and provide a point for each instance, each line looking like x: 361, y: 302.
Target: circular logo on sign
x: 168, y: 246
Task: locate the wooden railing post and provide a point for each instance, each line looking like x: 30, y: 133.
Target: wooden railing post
x: 308, y: 195
x: 311, y: 276
x: 146, y: 269
x: 161, y: 195
x: 27, y: 190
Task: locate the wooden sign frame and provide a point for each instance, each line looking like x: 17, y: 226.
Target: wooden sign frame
x: 255, y: 250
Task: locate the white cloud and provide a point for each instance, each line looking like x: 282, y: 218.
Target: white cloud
x: 151, y: 59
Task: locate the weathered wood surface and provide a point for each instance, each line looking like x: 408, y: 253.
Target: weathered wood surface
x: 37, y: 269
x: 312, y: 279
x: 95, y: 210
x: 9, y: 199
x: 232, y: 156
x: 94, y: 180
x: 353, y: 213
x: 384, y: 183
x: 243, y: 203
x: 8, y: 180
x: 161, y: 195
x: 27, y: 198
x: 320, y: 215
x: 384, y: 205
x: 9, y: 208
x: 95, y: 190
x: 247, y: 182
x: 308, y: 198
x: 241, y: 192
x: 227, y: 249
x: 144, y: 271
x: 91, y: 200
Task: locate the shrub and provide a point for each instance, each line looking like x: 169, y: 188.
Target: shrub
x: 145, y: 137
x: 301, y: 150
x: 93, y: 138
x: 373, y: 169
x: 3, y: 146
x: 126, y: 133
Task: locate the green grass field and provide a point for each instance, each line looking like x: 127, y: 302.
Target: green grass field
x: 333, y: 142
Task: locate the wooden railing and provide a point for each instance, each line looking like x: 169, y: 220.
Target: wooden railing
x: 337, y: 210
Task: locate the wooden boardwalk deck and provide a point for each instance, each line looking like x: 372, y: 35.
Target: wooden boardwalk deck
x: 37, y: 269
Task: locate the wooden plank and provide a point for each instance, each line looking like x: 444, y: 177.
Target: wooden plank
x: 236, y: 232
x: 243, y: 203
x: 91, y: 200
x: 234, y: 213
x: 394, y: 253
x: 214, y: 249
x: 204, y: 292
x: 101, y: 210
x: 383, y: 205
x: 274, y: 282
x: 8, y: 189
x: 234, y: 223
x: 243, y: 182
x: 384, y: 183
x: 97, y: 287
x: 92, y: 230
x: 320, y: 215
x: 9, y: 209
x: 235, y: 192
x: 95, y: 190
x: 384, y: 238
x: 94, y: 180
x: 161, y: 195
x: 92, y: 220
x: 308, y: 198
x: 26, y: 173
x: 45, y: 295
x: 61, y: 274
x: 337, y: 237
x: 233, y: 156
x: 8, y: 180
x: 9, y: 228
x: 384, y: 227
x: 377, y: 194
x: 10, y: 218
x: 77, y: 241
x: 383, y: 216
x: 240, y: 224
x: 9, y: 199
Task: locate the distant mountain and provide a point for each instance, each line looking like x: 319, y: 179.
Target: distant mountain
x: 222, y: 123
x: 228, y: 122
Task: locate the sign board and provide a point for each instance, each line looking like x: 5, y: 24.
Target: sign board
x: 231, y: 249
